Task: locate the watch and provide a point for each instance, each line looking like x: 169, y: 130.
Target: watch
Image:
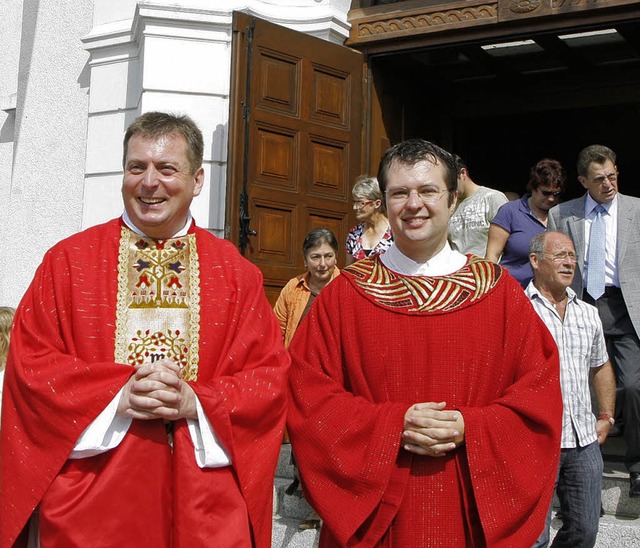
x: 606, y: 417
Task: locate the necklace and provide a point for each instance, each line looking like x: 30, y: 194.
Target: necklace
x: 557, y: 303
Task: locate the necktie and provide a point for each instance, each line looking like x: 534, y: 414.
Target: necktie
x: 595, y: 266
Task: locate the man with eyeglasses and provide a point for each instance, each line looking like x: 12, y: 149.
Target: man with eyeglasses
x: 577, y: 330
x: 416, y: 385
x: 604, y: 226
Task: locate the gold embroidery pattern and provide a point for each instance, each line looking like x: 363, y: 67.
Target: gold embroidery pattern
x: 122, y: 305
x: 424, y: 294
x: 158, y: 303
x: 190, y: 372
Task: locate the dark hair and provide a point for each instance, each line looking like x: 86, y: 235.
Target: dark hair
x: 319, y: 236
x: 460, y: 164
x: 412, y: 151
x: 547, y: 172
x: 159, y: 124
x: 594, y: 153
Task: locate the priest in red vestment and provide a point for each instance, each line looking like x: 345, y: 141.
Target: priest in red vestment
x: 146, y: 383
x: 426, y: 407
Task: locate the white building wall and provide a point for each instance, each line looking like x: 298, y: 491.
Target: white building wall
x: 43, y: 139
x: 87, y: 68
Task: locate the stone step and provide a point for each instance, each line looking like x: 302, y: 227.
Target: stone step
x: 287, y: 534
x: 615, y: 492
x: 614, y: 532
x: 289, y: 506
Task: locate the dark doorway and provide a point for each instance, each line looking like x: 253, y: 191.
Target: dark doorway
x: 502, y: 106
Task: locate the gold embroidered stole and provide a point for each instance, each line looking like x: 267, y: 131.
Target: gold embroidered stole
x: 158, y: 306
x: 424, y: 294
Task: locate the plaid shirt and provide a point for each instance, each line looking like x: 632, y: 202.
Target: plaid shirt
x: 581, y: 345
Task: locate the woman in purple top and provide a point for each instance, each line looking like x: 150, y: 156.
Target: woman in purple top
x: 517, y: 222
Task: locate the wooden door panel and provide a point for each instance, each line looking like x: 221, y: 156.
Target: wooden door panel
x: 329, y: 168
x: 280, y: 79
x: 277, y: 157
x: 330, y: 97
x: 295, y: 144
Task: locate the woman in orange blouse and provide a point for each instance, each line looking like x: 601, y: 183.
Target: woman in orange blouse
x: 320, y: 249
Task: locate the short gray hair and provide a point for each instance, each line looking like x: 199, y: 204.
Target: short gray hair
x: 366, y: 187
x: 536, y: 245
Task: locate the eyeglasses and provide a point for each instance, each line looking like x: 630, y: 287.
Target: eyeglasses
x: 562, y: 257
x: 359, y: 204
x: 428, y: 195
x: 547, y: 193
x: 611, y: 177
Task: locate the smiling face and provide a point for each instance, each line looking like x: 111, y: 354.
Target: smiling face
x: 419, y: 228
x: 158, y: 184
x: 555, y: 267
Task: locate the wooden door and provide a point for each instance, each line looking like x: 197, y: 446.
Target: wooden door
x: 295, y: 142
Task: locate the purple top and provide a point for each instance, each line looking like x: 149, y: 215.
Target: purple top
x: 519, y: 221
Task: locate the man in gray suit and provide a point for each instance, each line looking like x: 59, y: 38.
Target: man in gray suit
x: 605, y: 228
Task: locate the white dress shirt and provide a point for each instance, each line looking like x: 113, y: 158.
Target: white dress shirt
x: 446, y: 261
x: 610, y: 217
x: 580, y: 340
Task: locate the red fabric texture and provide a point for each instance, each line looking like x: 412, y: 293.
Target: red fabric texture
x: 61, y: 375
x: 356, y: 369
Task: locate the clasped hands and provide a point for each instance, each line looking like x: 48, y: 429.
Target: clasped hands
x: 156, y: 391
x: 431, y: 430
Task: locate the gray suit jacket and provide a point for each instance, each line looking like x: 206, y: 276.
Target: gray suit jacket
x: 569, y: 218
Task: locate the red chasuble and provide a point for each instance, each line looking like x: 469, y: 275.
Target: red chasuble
x: 61, y: 374
x: 376, y: 342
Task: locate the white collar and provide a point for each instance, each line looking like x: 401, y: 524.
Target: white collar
x: 182, y: 232
x: 590, y: 203
x: 446, y: 261
x: 532, y: 291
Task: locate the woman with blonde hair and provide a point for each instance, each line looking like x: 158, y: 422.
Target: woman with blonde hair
x: 6, y: 319
x: 372, y: 234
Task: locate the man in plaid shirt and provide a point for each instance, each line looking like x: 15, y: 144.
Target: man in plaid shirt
x: 577, y: 330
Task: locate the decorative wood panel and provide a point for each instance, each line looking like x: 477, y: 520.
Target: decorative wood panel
x: 278, y: 157
x: 329, y: 171
x: 274, y: 224
x: 330, y: 96
x: 279, y: 82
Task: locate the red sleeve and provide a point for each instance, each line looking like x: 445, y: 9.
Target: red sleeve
x: 50, y: 395
x: 346, y: 446
x: 517, y: 436
x: 242, y: 375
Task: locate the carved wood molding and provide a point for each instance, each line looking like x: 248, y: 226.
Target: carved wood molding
x: 430, y: 18
x: 389, y: 22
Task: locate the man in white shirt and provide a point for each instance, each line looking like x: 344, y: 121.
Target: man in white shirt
x: 577, y: 330
x: 476, y: 207
x: 604, y: 226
